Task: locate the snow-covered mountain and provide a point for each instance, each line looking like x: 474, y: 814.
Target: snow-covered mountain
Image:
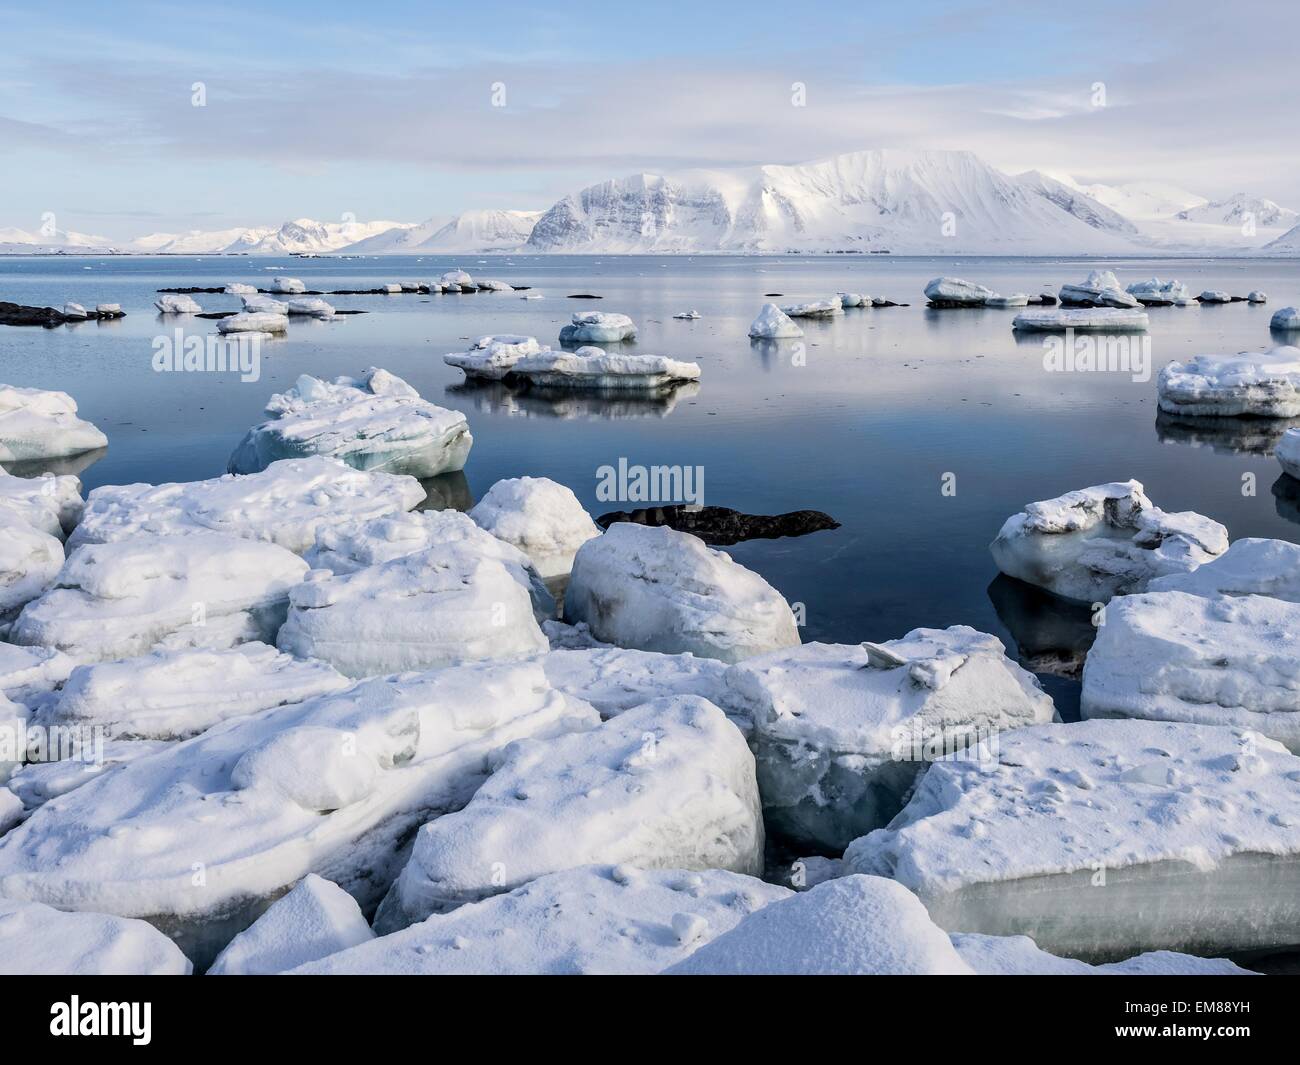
x: 14, y: 241
x: 473, y: 231
x: 201, y: 242
x: 924, y: 202
x: 307, y: 235
x: 1240, y: 209
x: 1073, y: 200
x: 1141, y: 201
x: 1287, y: 244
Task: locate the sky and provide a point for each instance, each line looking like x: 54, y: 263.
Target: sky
x: 406, y: 111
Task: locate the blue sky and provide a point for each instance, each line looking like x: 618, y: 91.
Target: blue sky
x: 385, y: 110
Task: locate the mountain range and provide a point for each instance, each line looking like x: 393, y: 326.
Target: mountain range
x: 903, y: 202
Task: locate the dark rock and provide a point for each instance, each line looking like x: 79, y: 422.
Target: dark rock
x: 583, y: 296
x: 766, y: 294
x: 191, y: 290
x: 17, y: 314
x: 721, y: 525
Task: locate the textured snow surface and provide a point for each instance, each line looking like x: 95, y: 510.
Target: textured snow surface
x: 594, y: 920
x: 666, y: 785
x: 595, y: 368
x: 375, y: 422
x: 253, y: 322
x: 540, y: 517
x: 955, y: 290
x: 1265, y: 383
x: 655, y: 589
x: 1102, y: 541
x: 50, y: 503
x: 1251, y: 566
x: 493, y: 357
x: 289, y: 503
x: 598, y: 327
x: 1101, y: 289
x: 36, y: 424
x: 1021, y: 956
x: 30, y: 560
x: 1087, y: 319
x: 614, y: 679
x: 36, y: 940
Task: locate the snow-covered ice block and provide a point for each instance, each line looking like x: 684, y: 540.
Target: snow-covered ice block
x: 289, y: 503
x: 853, y: 299
x: 374, y: 422
x: 1081, y: 319
x: 493, y: 357
x: 37, y: 940
x: 333, y: 786
x: 597, y: 369
x: 393, y: 288
x: 314, y: 920
x: 1102, y: 541
x: 312, y: 307
x: 597, y: 920
x: 1175, y: 656
x: 176, y: 695
x: 1256, y: 296
x: 74, y: 310
x: 1214, y: 296
x: 29, y: 674
x: 446, y: 605
x: 177, y: 303
x: 852, y: 926
x: 615, y: 679
x: 1264, y: 383
x: 50, y: 503
x: 773, y: 323
x: 11, y: 810
x: 37, y: 783
x: 259, y: 302
x: 1021, y: 956
x: 35, y: 424
x: 253, y: 322
x: 841, y: 731
x: 689, y: 316
x: 1251, y: 566
x: 238, y: 288
x: 30, y: 561
x: 290, y: 285
x: 667, y: 785
x: 14, y: 719
x: 953, y: 291
x: 1016, y: 299
x: 1288, y: 452
x: 540, y: 517
x: 1101, y: 289
x: 655, y: 589
x: 120, y: 599
x: 494, y: 286
x: 1286, y: 318
x: 458, y: 278
x: 827, y: 308
x: 598, y: 327
x: 112, y: 310
x: 1156, y: 293
x: 1102, y: 838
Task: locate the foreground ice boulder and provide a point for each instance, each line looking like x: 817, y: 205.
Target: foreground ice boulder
x: 658, y: 590
x: 202, y: 837
x: 289, y: 503
x: 35, y: 424
x: 1101, y: 289
x: 540, y: 517
x: 174, y: 303
x: 50, y: 503
x: 1251, y: 566
x: 1288, y: 453
x: 1174, y: 656
x: 856, y: 925
x: 1081, y: 320
x: 1156, y: 293
x: 314, y: 920
x: 121, y: 599
x: 773, y: 323
x: 1103, y: 541
x: 374, y: 422
x: 594, y: 920
x: 173, y: 695
x: 493, y: 357
x: 841, y: 731
x: 29, y: 675
x: 1264, y: 383
x: 1286, y: 318
x: 1021, y: 956
x: 615, y: 679
x: 1103, y: 838
x: 445, y: 605
x: 598, y: 327
x: 30, y: 561
x: 954, y: 292
x: 595, y: 368
x: 37, y: 940
x: 667, y: 785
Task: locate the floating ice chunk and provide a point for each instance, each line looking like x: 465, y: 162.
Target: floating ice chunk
x: 311, y: 306
x: 1174, y: 656
x: 176, y: 695
x: 593, y: 920
x: 1264, y: 383
x: 493, y: 357
x: 1017, y: 299
x: 445, y: 605
x: 375, y: 422
x: 688, y: 315
x: 667, y: 785
x: 456, y: 280
x: 1107, y: 540
x: 494, y: 286
x: 856, y: 925
x: 1251, y: 566
x: 540, y: 517
x: 598, y: 327
x: 596, y: 369
x: 238, y: 288
x: 50, y: 503
x: 1286, y: 318
x: 233, y: 799
x: 35, y: 424
x: 290, y: 285
x: 1193, y: 830
x: 119, y: 599
x: 814, y: 309
x: 1021, y: 956
x: 392, y: 289
x: 954, y: 292
x: 614, y: 679
x: 1256, y: 296
x: 1102, y: 289
x: 1288, y: 452
x: 30, y: 561
x: 254, y: 322
x: 109, y: 310
x: 29, y: 674
x: 654, y: 589
x: 258, y: 302
x: 854, y: 299
x: 1080, y: 319
x: 314, y: 920
x: 1156, y: 293
x: 773, y: 323
x: 74, y: 310
x: 36, y: 940
x: 1214, y: 296
x: 841, y: 731
x: 290, y: 503
x: 177, y: 303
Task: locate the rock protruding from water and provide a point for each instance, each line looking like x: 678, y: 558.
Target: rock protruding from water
x: 721, y: 526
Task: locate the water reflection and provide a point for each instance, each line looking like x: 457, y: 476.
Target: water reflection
x: 73, y: 464
x: 1286, y: 498
x: 1233, y: 436
x: 447, y: 491
x: 1052, y: 634
x: 497, y: 397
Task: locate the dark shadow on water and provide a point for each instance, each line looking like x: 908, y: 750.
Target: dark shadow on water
x: 500, y: 397
x: 447, y: 491
x: 1286, y: 498
x: 73, y: 464
x: 1232, y: 436
x: 722, y: 526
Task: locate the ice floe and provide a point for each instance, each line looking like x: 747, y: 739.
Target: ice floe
x: 1264, y: 383
x: 654, y: 589
x: 594, y: 368
x: 254, y: 322
x: 954, y: 292
x: 37, y: 940
x: 177, y: 303
x: 1102, y: 541
x: 598, y: 327
x: 288, y: 285
x: 827, y: 308
x: 1156, y: 293
x: 1285, y: 318
x: 1214, y: 296
x: 1256, y: 296
x: 493, y: 357
x: 312, y: 307
x: 36, y: 424
x: 1018, y: 299
x: 257, y: 302
x: 773, y: 323
x: 374, y: 422
x: 1101, y: 289
x: 1081, y: 319
x: 540, y: 517
x: 238, y: 288
x: 841, y: 731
